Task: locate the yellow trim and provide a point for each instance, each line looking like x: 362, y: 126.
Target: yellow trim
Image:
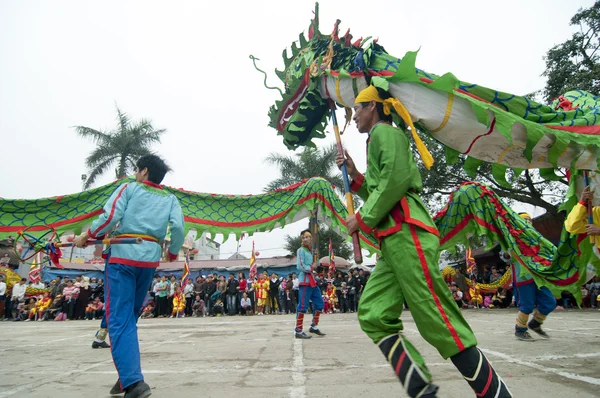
x: 337, y: 92
x: 589, y: 148
x: 505, y: 151
x: 447, y: 115
x: 389, y: 358
x: 145, y: 237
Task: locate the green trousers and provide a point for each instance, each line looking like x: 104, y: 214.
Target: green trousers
x: 408, y: 270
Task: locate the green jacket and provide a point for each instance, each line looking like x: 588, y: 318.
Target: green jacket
x: 391, y: 185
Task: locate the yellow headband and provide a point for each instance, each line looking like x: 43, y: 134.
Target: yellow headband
x: 525, y: 215
x: 306, y: 232
x: 370, y: 94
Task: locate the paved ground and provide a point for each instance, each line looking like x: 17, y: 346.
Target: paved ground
x: 257, y: 357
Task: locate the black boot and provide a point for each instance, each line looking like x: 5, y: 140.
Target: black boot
x: 412, y: 372
x: 480, y: 374
x: 116, y: 389
x: 537, y: 327
x: 138, y: 390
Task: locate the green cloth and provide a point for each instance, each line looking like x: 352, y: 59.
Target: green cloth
x: 391, y: 175
x: 162, y: 285
x: 400, y: 275
x: 408, y: 267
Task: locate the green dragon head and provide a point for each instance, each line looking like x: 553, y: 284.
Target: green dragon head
x: 301, y: 114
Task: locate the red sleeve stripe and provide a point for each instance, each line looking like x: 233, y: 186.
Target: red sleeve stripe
x: 356, y: 184
x: 112, y: 212
x: 361, y: 224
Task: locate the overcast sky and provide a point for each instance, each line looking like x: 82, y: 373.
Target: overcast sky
x: 185, y: 66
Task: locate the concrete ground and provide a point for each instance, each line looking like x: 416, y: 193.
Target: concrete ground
x: 258, y: 357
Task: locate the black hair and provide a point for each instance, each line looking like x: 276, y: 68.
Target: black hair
x: 306, y: 230
x: 23, y: 280
x: 379, y: 106
x: 157, y: 168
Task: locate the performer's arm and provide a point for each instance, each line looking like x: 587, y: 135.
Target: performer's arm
x: 177, y: 229
x: 358, y: 186
x: 113, y: 212
x: 393, y: 154
x: 577, y: 219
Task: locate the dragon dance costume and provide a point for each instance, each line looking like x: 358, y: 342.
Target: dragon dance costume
x: 529, y: 296
x: 408, y: 269
x: 308, y: 292
x: 142, y: 210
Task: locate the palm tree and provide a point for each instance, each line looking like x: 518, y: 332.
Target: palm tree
x: 311, y: 162
x: 124, y: 145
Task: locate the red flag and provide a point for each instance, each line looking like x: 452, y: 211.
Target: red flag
x: 252, y: 264
x: 186, y: 270
x: 470, y: 261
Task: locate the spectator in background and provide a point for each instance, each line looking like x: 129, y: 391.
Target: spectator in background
x: 199, y: 309
x: 59, y: 285
x: 17, y: 296
x: 218, y: 309
x: 162, y: 293
x: 70, y: 294
x: 188, y: 291
x: 594, y: 291
x: 232, y: 294
x: 274, y: 283
x: 2, y: 296
x: 242, y: 286
x: 245, y: 305
x: 495, y: 275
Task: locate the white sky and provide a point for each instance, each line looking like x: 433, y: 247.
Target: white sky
x: 185, y: 66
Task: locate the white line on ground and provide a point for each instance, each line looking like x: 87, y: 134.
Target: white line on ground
x: 555, y: 357
x: 298, y: 389
x: 568, y: 375
x: 49, y: 342
x: 68, y: 374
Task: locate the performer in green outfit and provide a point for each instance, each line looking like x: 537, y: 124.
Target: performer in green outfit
x: 408, y: 267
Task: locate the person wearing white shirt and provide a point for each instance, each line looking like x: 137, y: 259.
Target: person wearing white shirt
x: 18, y: 294
x: 245, y: 304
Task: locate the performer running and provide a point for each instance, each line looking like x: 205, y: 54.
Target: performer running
x: 408, y: 267
x: 142, y: 209
x: 308, y: 290
x: 529, y: 296
x: 577, y: 221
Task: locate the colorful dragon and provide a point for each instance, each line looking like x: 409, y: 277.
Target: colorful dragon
x: 480, y: 123
x: 213, y: 213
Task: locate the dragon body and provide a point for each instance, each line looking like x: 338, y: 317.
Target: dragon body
x: 481, y: 123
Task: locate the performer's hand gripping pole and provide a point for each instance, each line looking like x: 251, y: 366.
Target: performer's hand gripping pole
x: 349, y: 201
x: 586, y: 179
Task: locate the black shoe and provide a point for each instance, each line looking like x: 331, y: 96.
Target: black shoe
x: 102, y: 344
x: 138, y: 390
x: 537, y: 327
x: 523, y: 335
x: 302, y: 335
x: 116, y: 389
x: 316, y: 331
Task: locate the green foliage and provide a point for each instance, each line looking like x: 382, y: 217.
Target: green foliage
x: 123, y: 146
x: 311, y: 162
x: 574, y: 64
x: 341, y: 248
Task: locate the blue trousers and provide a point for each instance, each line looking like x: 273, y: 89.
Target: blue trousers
x: 529, y: 296
x: 125, y: 290
x: 306, y: 294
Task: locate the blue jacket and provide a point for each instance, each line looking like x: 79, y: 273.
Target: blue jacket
x: 141, y: 209
x: 304, y: 261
